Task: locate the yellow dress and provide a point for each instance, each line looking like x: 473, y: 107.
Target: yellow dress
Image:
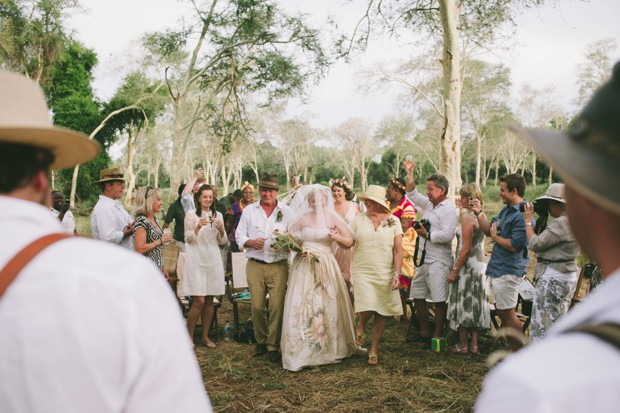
x: 372, y: 269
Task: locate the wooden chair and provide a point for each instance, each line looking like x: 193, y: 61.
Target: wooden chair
x: 239, y: 281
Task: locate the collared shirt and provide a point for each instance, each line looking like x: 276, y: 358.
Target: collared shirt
x: 510, y: 225
x: 111, y: 337
x: 565, y: 372
x: 108, y: 220
x: 254, y: 224
x: 68, y: 222
x: 176, y: 213
x: 443, y: 220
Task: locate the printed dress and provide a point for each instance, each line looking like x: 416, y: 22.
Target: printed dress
x: 468, y: 303
x: 318, y: 324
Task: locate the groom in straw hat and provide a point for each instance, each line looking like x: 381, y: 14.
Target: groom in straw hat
x: 576, y: 367
x: 84, y: 326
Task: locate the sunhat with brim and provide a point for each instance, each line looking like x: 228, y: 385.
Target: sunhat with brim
x: 24, y: 119
x: 587, y: 155
x: 110, y: 175
x: 375, y: 193
x: 555, y: 192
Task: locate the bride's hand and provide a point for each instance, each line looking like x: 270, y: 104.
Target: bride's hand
x: 333, y: 233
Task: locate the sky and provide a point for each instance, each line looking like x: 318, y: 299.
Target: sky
x: 548, y: 44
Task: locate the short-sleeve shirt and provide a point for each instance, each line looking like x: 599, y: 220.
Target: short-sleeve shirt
x: 176, y: 213
x: 510, y: 225
x: 153, y: 233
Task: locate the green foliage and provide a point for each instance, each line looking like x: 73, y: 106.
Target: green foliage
x: 74, y: 106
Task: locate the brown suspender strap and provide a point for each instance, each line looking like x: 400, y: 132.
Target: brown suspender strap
x: 19, y: 261
x: 608, y: 332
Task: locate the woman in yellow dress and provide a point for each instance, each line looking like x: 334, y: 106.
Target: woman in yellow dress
x: 376, y: 267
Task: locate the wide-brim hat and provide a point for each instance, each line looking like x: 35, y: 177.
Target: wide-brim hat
x: 25, y: 119
x: 375, y: 193
x: 587, y: 155
x: 555, y: 192
x: 269, y: 181
x: 110, y: 175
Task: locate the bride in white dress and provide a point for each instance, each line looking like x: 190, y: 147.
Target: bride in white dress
x: 318, y: 325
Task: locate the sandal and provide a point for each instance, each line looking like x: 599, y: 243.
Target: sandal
x: 474, y: 350
x: 373, y: 360
x: 360, y: 339
x: 457, y: 349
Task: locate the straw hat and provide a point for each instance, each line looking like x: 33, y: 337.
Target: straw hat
x: 269, y: 181
x: 110, y: 175
x: 555, y: 192
x: 25, y: 119
x: 375, y: 193
x: 587, y: 156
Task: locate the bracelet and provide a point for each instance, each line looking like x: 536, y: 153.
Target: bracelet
x: 396, y: 274
x: 528, y: 223
x: 455, y: 269
x: 477, y: 213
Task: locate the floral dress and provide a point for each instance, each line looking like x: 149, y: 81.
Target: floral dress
x: 468, y: 303
x: 318, y: 324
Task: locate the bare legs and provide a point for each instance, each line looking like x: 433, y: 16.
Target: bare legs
x: 509, y: 319
x: 201, y: 307
x: 378, y: 326
x: 421, y: 309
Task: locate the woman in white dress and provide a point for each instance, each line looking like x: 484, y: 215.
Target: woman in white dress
x: 318, y: 325
x: 204, y: 269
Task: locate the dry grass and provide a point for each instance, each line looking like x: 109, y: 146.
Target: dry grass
x: 408, y: 377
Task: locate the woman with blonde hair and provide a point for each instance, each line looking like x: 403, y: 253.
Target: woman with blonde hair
x: 468, y: 305
x: 149, y: 238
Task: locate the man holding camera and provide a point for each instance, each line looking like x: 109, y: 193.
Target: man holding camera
x: 438, y: 232
x: 509, y: 258
x: 576, y: 367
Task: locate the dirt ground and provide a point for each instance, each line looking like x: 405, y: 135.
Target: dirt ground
x: 409, y: 377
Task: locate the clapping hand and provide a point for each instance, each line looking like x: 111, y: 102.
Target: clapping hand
x: 333, y: 233
x: 493, y: 230
x: 166, y: 237
x: 528, y: 212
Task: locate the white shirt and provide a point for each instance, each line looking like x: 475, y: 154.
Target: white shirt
x: 254, y: 223
x: 443, y: 219
x: 108, y: 220
x: 88, y: 327
x: 68, y: 222
x: 564, y: 372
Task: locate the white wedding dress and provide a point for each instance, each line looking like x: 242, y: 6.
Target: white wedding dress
x: 318, y: 325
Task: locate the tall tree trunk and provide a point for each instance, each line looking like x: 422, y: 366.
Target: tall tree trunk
x: 478, y: 158
x: 550, y: 174
x: 450, y: 156
x: 533, y: 169
x: 496, y: 181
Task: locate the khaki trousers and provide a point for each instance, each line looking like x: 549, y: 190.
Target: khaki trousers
x: 266, y: 279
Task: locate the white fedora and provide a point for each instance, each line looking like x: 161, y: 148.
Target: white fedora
x: 25, y: 119
x: 555, y: 192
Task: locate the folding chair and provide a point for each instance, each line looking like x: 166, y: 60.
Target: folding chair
x: 239, y: 281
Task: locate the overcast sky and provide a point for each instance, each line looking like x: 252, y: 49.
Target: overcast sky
x: 549, y: 43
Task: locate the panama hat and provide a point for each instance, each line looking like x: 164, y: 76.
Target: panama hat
x: 269, y: 181
x: 587, y: 155
x: 25, y: 119
x: 375, y: 193
x: 555, y: 192
x: 110, y: 175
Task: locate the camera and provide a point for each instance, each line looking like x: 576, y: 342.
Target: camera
x: 540, y: 207
x: 422, y: 223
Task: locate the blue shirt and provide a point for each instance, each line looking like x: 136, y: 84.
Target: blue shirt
x: 510, y: 225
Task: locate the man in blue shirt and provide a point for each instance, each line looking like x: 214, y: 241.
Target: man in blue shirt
x: 509, y: 258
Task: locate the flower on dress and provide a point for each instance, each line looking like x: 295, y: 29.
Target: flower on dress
x: 315, y: 332
x: 389, y: 222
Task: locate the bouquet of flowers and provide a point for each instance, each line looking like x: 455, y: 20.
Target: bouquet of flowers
x: 288, y: 242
